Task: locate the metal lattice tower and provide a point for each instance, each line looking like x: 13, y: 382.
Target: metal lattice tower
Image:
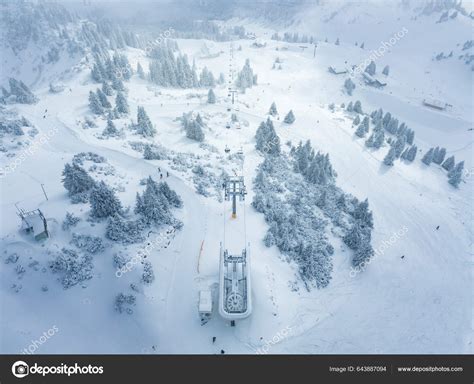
x: 233, y: 92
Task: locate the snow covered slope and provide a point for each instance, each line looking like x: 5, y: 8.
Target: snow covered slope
x: 415, y: 296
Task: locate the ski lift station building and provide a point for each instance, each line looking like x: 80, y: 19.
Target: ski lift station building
x: 336, y: 71
x: 235, y: 301
x: 205, y: 305
x: 34, y: 222
x: 434, y: 103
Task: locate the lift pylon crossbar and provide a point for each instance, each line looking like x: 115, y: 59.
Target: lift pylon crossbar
x: 234, y: 186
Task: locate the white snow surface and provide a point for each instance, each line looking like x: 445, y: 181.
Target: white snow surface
x: 419, y: 304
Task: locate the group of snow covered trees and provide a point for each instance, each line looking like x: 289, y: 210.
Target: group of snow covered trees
x: 371, y: 68
x: 267, y: 141
x: 294, y: 225
x: 287, y: 202
x: 153, y: 206
x: 355, y: 107
x: 317, y: 170
x: 359, y: 235
x: 77, y: 181
x: 315, y: 167
x: 173, y: 70
x: 293, y: 38
x: 99, y: 104
x: 110, y: 72
x: 143, y: 126
x: 82, y: 187
x: 103, y: 35
x: 437, y: 155
x: 193, y: 126
x: 19, y: 93
x: 104, y: 203
x: 112, y: 69
x: 207, y: 29
x: 101, y: 197
x: 401, y: 145
x: 402, y: 142
x: 289, y: 118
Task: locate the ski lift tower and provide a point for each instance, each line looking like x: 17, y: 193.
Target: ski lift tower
x: 233, y: 92
x: 235, y: 299
x: 234, y: 186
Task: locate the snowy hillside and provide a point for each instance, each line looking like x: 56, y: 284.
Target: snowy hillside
x: 124, y: 138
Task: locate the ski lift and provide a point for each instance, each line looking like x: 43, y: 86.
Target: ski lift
x: 227, y: 125
x: 235, y: 301
x: 240, y: 151
x: 227, y: 149
x: 34, y: 222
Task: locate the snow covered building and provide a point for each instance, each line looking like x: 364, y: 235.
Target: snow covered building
x: 205, y: 305
x: 370, y: 80
x: 259, y: 43
x: 34, y: 222
x: 433, y: 103
x: 335, y: 71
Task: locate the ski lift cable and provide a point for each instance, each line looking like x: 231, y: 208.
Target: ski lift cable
x: 245, y: 216
x: 223, y: 215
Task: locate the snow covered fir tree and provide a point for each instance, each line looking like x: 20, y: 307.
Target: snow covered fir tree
x: 193, y: 126
x: 289, y: 118
x: 246, y: 78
